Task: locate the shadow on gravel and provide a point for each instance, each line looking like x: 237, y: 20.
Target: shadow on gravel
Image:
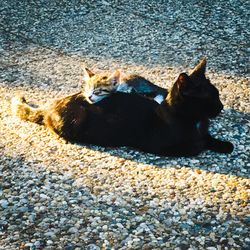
x: 229, y: 164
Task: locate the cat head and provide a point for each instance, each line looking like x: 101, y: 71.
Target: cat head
x: 194, y: 95
x: 98, y: 86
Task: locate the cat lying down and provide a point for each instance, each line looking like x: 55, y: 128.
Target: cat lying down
x: 99, y: 86
x: 176, y: 127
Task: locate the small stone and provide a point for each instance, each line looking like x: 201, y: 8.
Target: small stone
x: 37, y: 243
x: 24, y: 201
x: 247, y: 219
x: 49, y: 234
x: 119, y: 225
x: 42, y: 208
x: 194, y: 161
x: 247, y: 240
x: 23, y: 209
x: 62, y: 220
x: 223, y: 240
x: 69, y: 247
x: 32, y: 217
x: 73, y: 230
x: 43, y: 196
x: 93, y: 247
x: 231, y: 241
x: 49, y: 242
x: 4, y: 203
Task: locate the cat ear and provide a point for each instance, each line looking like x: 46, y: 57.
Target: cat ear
x: 183, y: 82
x: 87, y: 74
x: 200, y: 69
x: 115, y: 78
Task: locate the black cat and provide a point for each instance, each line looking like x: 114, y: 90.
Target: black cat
x: 176, y: 127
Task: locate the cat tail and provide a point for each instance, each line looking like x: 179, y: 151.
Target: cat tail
x: 23, y: 110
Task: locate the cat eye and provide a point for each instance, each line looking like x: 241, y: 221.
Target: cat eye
x: 100, y: 92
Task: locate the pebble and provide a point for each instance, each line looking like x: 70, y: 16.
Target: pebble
x: 73, y: 230
x: 49, y: 242
x: 37, y: 243
x: 93, y: 247
x: 49, y: 234
x: 4, y: 203
x: 43, y: 197
x: 23, y: 209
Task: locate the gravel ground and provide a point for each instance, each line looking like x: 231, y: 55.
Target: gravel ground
x: 55, y: 195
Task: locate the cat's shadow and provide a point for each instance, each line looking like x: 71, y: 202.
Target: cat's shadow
x: 207, y: 161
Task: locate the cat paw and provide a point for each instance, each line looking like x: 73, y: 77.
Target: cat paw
x: 226, y: 147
